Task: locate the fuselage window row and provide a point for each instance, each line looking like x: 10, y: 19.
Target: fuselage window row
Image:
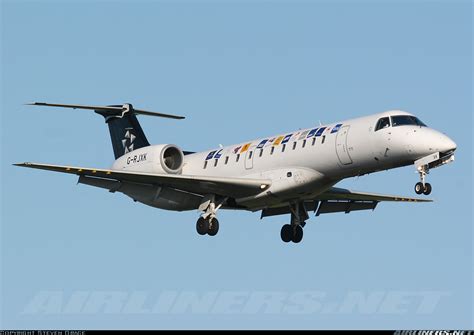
x: 272, y: 150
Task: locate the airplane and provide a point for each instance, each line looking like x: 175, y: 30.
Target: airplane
x: 289, y: 173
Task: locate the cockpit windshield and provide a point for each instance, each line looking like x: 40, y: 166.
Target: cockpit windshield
x: 403, y: 120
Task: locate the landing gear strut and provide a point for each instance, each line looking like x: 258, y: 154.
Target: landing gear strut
x: 208, y: 223
x: 294, y: 232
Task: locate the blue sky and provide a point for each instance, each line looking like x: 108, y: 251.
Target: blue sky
x: 237, y: 70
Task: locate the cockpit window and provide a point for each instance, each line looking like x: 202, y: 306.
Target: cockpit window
x: 382, y: 123
x: 403, y: 120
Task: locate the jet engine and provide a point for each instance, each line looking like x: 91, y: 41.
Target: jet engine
x: 161, y: 158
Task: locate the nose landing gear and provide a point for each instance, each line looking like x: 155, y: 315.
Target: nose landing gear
x: 422, y: 186
x: 422, y: 166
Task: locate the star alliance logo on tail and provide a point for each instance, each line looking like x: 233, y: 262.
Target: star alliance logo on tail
x: 127, y: 142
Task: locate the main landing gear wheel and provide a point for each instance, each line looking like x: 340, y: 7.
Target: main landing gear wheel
x: 291, y: 233
x: 213, y: 227
x: 208, y: 223
x: 297, y: 234
x: 202, y: 226
x: 425, y: 189
x: 286, y: 233
x: 210, y: 227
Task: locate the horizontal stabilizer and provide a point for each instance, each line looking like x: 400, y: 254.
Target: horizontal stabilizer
x: 112, y: 109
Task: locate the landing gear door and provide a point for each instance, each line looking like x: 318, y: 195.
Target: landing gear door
x: 342, y: 150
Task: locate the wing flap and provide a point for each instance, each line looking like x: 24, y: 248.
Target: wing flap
x: 231, y: 187
x: 345, y: 206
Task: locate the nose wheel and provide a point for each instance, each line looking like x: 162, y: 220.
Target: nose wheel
x: 423, y: 189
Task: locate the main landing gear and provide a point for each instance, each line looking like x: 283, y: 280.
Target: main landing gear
x: 207, y: 226
x: 208, y: 223
x: 294, y: 231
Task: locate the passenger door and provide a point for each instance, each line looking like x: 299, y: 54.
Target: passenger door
x: 249, y: 158
x: 342, y: 150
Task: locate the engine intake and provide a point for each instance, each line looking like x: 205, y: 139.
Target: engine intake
x: 171, y: 158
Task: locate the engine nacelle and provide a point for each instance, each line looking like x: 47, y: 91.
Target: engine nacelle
x: 161, y: 158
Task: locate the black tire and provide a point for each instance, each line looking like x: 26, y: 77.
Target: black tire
x: 286, y: 233
x: 202, y: 226
x: 419, y: 188
x: 213, y: 227
x: 297, y: 234
x: 427, y: 189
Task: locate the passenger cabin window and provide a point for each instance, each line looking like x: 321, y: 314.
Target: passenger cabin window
x: 304, y: 144
x: 294, y: 145
x: 323, y: 139
x: 261, y: 153
x: 237, y: 158
x: 215, y: 162
x: 283, y: 147
x: 406, y: 120
x: 382, y: 123
x: 226, y: 160
x: 313, y: 141
x: 271, y: 150
x: 205, y: 165
x: 250, y: 154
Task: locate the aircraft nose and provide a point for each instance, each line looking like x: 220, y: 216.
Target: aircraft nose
x: 446, y: 144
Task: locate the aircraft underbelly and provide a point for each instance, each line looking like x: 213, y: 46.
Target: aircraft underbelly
x: 288, y: 184
x: 151, y: 195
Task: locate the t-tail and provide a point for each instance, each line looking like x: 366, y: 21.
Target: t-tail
x: 126, y: 133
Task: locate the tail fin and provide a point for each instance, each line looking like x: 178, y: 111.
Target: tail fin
x: 125, y: 130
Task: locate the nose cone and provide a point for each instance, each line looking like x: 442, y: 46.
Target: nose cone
x: 446, y: 144
x: 431, y: 141
x: 438, y: 142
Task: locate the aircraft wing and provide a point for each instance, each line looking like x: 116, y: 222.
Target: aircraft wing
x: 335, y: 193
x: 342, y: 200
x: 230, y: 187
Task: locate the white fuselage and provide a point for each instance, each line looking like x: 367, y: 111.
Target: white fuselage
x: 300, y: 166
